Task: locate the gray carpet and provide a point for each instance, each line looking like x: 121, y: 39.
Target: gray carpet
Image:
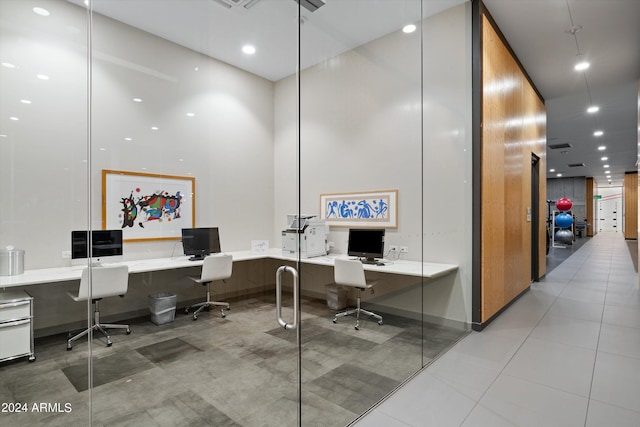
x: 235, y: 371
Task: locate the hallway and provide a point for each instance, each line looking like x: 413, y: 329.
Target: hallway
x: 567, y: 353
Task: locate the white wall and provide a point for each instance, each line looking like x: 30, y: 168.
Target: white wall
x: 361, y: 131
x: 227, y: 146
x: 364, y: 126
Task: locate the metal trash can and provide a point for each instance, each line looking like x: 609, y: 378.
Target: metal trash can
x: 162, y: 307
x: 336, y: 296
x: 11, y: 261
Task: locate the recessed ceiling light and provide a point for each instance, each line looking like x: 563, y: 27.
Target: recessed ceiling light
x: 8, y: 65
x: 605, y: 166
x: 598, y: 133
x: 604, y: 158
x: 42, y: 77
x: 409, y: 28
x: 40, y: 11
x: 593, y: 109
x: 128, y: 139
x: 25, y: 101
x: 602, y: 148
x: 137, y: 99
x: 15, y: 119
x: 154, y: 128
x: 248, y: 49
x: 581, y: 66
x: 559, y: 174
x: 190, y: 114
x: 552, y: 170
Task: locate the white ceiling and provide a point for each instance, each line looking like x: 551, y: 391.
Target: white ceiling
x: 609, y: 39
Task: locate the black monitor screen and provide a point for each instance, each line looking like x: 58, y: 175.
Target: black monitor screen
x: 104, y: 243
x: 366, y: 243
x: 200, y: 242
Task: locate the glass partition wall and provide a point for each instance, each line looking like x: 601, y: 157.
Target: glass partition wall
x: 149, y: 117
x: 360, y: 150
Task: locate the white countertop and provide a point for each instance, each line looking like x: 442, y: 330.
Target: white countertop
x: 61, y: 274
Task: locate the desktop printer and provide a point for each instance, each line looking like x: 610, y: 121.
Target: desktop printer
x: 312, y: 233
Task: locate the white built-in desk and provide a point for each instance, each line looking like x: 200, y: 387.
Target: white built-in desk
x: 62, y: 274
x: 55, y: 312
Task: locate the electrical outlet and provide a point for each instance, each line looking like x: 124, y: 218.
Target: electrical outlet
x: 66, y: 254
x: 393, y: 248
x: 404, y: 249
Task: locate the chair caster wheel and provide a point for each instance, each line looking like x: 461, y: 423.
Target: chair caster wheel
x: 335, y: 320
x: 223, y: 315
x: 380, y: 322
x: 356, y: 328
x: 195, y: 317
x: 32, y: 359
x: 69, y: 348
x: 186, y: 310
x: 128, y: 331
x: 109, y: 344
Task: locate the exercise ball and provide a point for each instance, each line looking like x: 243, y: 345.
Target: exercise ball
x: 564, y: 220
x: 563, y: 204
x: 564, y: 236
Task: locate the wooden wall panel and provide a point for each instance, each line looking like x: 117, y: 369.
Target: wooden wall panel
x: 590, y: 207
x: 513, y: 127
x: 630, y: 196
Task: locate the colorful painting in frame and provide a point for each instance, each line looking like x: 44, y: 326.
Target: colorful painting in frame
x: 147, y: 206
x: 366, y: 209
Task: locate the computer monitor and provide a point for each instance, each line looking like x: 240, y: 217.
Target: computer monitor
x: 200, y: 242
x: 104, y: 243
x: 366, y: 244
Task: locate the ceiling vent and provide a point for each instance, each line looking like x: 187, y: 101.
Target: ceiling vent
x: 576, y: 165
x: 558, y: 146
x: 247, y: 4
x: 311, y: 5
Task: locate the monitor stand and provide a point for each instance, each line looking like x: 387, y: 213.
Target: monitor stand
x: 197, y: 257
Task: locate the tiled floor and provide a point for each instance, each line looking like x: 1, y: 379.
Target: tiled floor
x: 567, y: 353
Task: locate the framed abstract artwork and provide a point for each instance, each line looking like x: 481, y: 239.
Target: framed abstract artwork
x: 364, y: 209
x: 147, y: 206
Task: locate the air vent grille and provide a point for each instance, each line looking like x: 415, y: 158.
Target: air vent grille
x: 311, y: 5
x: 576, y: 165
x: 558, y: 146
x: 247, y: 4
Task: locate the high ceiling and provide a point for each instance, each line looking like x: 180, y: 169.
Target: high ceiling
x: 605, y: 32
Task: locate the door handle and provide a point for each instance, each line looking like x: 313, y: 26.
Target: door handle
x: 296, y: 313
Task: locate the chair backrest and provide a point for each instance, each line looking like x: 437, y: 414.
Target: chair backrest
x: 216, y: 267
x: 349, y: 272
x: 106, y: 281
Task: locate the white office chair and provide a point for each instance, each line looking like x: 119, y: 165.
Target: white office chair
x: 106, y: 281
x: 214, y: 267
x: 350, y: 272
